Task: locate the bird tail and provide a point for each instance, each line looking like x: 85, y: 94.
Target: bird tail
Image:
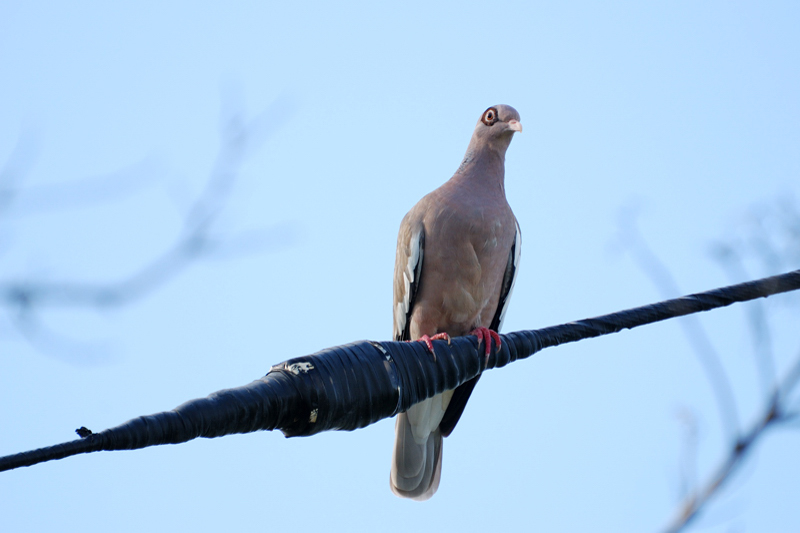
x: 416, y: 467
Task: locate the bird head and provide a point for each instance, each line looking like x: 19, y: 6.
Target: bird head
x: 496, y: 127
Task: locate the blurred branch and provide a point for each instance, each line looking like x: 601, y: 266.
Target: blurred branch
x: 25, y: 299
x: 768, y: 240
x: 42, y: 338
x: 774, y: 414
x: 659, y: 274
x: 17, y: 166
x: 730, y: 260
x: 773, y: 240
x: 688, y: 461
x: 79, y: 193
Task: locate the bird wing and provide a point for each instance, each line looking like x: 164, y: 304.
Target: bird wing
x: 416, y: 459
x: 407, y: 273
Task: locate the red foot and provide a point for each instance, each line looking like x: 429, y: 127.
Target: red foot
x: 427, y: 340
x: 486, y: 336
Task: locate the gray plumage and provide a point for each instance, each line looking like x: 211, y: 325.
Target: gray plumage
x: 457, y: 256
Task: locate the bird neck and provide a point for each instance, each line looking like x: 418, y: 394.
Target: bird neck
x: 483, y: 166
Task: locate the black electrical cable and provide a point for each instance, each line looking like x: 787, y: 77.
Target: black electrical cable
x: 351, y: 386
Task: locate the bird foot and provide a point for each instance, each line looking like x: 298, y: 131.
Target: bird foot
x: 427, y: 340
x: 486, y: 336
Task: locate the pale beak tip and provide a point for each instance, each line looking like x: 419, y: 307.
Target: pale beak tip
x: 515, y: 125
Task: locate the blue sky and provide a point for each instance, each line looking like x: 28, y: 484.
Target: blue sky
x: 686, y: 115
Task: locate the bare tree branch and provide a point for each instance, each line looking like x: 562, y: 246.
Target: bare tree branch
x: 770, y: 239
x: 773, y: 415
x: 17, y: 167
x: 698, y: 338
x: 26, y: 299
x: 79, y: 193
x: 688, y: 459
x: 732, y: 263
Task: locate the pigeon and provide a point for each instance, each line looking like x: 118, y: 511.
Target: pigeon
x: 457, y: 257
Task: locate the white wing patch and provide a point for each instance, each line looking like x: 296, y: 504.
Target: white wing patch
x: 411, y: 275
x: 517, y: 252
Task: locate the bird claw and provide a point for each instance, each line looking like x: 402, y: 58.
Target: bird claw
x: 428, y: 344
x: 486, y: 336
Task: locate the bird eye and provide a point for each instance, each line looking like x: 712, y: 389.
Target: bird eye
x: 489, y: 116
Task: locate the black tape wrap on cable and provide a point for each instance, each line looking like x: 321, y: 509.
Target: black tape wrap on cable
x: 344, y: 388
x: 352, y: 386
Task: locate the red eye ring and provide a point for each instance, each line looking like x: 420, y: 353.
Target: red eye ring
x: 489, y: 116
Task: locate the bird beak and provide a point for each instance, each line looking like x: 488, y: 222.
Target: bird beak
x: 514, y: 125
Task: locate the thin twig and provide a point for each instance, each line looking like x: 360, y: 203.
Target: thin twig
x: 773, y: 415
x: 26, y: 299
x: 693, y: 329
x: 17, y: 166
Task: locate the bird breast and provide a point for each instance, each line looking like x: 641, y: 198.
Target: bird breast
x: 474, y: 245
